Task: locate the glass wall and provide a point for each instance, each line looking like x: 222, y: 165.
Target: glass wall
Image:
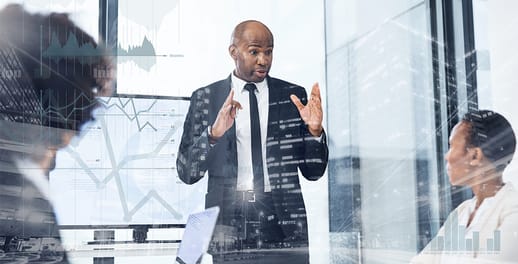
x: 496, y: 42
x: 399, y: 78
x: 383, y: 170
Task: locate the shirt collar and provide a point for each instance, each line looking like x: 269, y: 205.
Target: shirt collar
x: 239, y: 84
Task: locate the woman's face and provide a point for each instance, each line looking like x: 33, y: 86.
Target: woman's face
x: 459, y: 155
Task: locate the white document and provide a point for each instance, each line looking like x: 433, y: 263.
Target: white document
x: 197, y: 236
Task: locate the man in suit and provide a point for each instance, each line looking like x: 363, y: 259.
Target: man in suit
x: 253, y: 157
x: 43, y: 104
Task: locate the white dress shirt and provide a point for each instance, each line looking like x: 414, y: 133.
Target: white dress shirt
x: 245, y: 178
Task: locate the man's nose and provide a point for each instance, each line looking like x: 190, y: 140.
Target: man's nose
x: 262, y: 59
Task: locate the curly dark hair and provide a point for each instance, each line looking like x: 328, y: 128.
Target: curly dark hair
x: 52, y: 68
x: 492, y: 133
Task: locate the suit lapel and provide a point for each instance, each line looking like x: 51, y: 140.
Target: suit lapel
x: 273, y: 122
x: 230, y: 136
x: 273, y: 109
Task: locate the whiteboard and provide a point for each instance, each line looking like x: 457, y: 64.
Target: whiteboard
x: 122, y: 169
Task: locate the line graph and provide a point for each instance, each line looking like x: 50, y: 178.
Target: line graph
x: 135, y: 114
x: 85, y: 54
x: 122, y: 170
x: 118, y: 165
x: 44, y: 106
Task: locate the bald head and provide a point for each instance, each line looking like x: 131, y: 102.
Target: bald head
x: 249, y: 25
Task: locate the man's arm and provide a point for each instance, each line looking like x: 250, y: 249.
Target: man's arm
x: 313, y: 161
x: 191, y: 162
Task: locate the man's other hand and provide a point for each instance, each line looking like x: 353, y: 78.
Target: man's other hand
x: 311, y: 113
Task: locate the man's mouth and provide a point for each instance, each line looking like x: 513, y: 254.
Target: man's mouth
x: 261, y: 73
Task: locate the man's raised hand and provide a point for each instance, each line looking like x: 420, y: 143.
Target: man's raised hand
x: 226, y: 115
x: 311, y: 113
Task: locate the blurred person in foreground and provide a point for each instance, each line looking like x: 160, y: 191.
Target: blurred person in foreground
x: 47, y: 93
x: 483, y: 229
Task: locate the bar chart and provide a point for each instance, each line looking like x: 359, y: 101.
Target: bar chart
x: 456, y: 239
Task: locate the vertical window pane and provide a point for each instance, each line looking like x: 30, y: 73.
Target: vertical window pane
x: 383, y: 165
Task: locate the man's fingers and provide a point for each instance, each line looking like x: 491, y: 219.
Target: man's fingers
x: 236, y: 104
x: 233, y: 112
x: 297, y: 102
x: 229, y: 97
x: 315, y: 92
x: 230, y: 103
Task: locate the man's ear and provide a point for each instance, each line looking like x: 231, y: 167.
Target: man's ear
x: 232, y: 50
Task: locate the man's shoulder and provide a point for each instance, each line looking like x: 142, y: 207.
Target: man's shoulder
x: 221, y: 84
x: 276, y: 82
x: 284, y: 89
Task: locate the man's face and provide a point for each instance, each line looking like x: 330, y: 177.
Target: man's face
x: 459, y: 155
x: 252, y: 53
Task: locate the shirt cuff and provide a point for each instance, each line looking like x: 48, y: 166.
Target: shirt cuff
x: 319, y: 138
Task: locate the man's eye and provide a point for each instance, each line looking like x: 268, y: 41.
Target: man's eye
x: 253, y: 52
x: 268, y: 52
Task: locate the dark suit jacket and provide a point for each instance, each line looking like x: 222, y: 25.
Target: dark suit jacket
x: 289, y: 147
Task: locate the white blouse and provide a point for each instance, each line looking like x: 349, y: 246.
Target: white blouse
x: 492, y: 236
